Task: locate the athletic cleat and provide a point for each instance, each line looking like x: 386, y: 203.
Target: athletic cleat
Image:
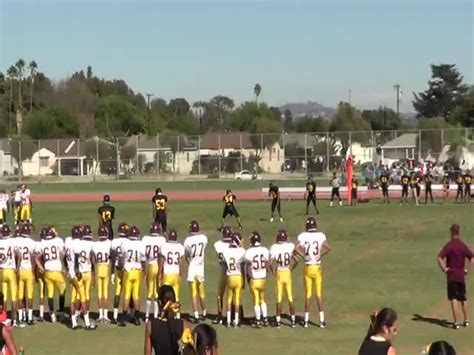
x: 265, y: 322
x: 41, y: 319
x: 106, y: 320
x: 74, y: 327
x: 277, y: 325
x: 256, y: 324
x: 194, y: 320
x: 122, y: 324
x: 114, y: 321
x: 306, y: 324
x: 217, y: 320
x: 240, y: 227
x: 137, y: 321
x: 220, y: 229
x: 17, y: 324
x: 466, y: 323
x: 91, y: 327
x: 147, y: 319
x: 293, y: 324
x: 455, y: 326
x: 323, y: 325
x: 53, y: 318
x: 30, y: 322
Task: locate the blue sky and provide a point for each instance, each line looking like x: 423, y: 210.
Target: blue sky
x: 298, y: 50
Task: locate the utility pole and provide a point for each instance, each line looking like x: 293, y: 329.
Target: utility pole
x: 350, y: 96
x: 398, y: 91
x: 148, y: 96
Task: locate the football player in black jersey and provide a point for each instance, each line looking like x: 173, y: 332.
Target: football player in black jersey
x: 107, y: 215
x: 310, y: 195
x: 274, y: 193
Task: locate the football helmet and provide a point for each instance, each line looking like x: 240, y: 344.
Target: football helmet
x: 226, y: 234
x: 311, y: 224
x: 76, y: 232
x: 6, y: 231
x: 155, y: 228
x: 123, y: 229
x: 25, y: 230
x: 255, y: 239
x: 194, y: 227
x: 87, y: 232
x: 236, y: 239
x: 134, y: 232
x: 103, y: 232
x: 282, y: 236
x: 106, y: 200
x: 43, y: 232
x: 172, y: 235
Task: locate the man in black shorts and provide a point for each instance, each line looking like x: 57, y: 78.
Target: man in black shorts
x: 467, y: 187
x: 405, y: 180
x: 229, y: 208
x: 428, y: 191
x: 452, y: 261
x: 460, y: 191
x: 384, y: 182
x: 310, y: 195
x: 335, y: 184
x: 276, y: 202
x: 160, y: 206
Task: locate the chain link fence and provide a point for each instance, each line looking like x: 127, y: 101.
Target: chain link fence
x: 229, y: 155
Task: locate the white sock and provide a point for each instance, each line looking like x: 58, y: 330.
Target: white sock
x: 330, y: 204
x: 178, y: 315
x: 236, y: 318
x: 156, y: 309
x: 101, y: 313
x: 264, y: 310
x: 321, y: 317
x: 278, y: 318
x: 30, y: 314
x: 196, y: 314
x: 53, y: 317
x: 293, y: 318
x: 105, y: 312
x: 257, y: 312
x: 204, y: 312
x: 20, y: 314
x: 228, y: 317
x: 115, y: 313
x: 74, y: 321
x: 87, y: 320
x: 148, y: 308
x: 41, y: 311
x: 306, y: 316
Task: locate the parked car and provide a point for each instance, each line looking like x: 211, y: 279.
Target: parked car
x: 245, y: 175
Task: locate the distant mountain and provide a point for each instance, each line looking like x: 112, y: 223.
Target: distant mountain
x: 310, y: 108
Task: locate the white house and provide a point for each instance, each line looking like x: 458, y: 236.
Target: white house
x: 400, y: 148
x: 7, y: 166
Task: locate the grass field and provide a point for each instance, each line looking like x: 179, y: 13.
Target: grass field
x: 382, y: 255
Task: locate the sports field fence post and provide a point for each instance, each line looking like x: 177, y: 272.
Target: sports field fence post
x: 219, y: 155
x: 241, y: 161
x: 97, y: 158
x: 199, y: 155
x: 373, y: 145
x: 58, y: 155
x: 419, y: 145
x: 306, y: 155
x: 20, y: 161
x: 327, y: 152
x: 79, y: 160
x: 137, y: 161
x: 176, y: 157
x: 442, y: 139
x: 39, y: 159
x: 466, y: 137
x: 261, y: 149
x: 117, y: 154
x: 157, y: 160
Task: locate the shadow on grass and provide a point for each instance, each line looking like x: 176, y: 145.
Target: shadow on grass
x: 439, y: 322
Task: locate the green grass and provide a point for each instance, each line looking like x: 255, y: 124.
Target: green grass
x: 383, y: 255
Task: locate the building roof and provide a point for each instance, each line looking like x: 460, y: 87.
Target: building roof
x: 146, y: 143
x: 407, y: 140
x: 300, y: 141
x: 231, y: 140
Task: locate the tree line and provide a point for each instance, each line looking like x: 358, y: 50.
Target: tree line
x: 84, y: 105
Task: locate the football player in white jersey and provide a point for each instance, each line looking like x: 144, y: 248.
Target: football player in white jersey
x: 101, y: 261
x: 312, y: 246
x: 281, y: 255
x: 219, y: 247
x: 70, y: 256
x: 4, y: 206
x: 84, y: 274
x: 133, y: 259
x: 39, y: 274
x: 257, y: 258
x: 171, y: 263
x: 50, y: 262
x: 116, y: 276
x: 26, y: 205
x: 26, y: 279
x: 8, y: 268
x: 195, y: 248
x: 153, y: 243
x: 234, y: 258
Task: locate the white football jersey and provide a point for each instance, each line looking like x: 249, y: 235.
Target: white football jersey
x: 281, y: 253
x: 25, y: 197
x: 4, y: 201
x: 52, y: 251
x: 8, y: 247
x: 195, y: 248
x: 117, y: 247
x: 26, y: 248
x: 153, y: 245
x: 257, y: 258
x: 69, y: 244
x: 172, y: 254
x: 17, y: 196
x: 101, y: 250
x: 133, y: 252
x: 312, y: 243
x: 219, y: 247
x: 234, y: 258
x: 83, y: 248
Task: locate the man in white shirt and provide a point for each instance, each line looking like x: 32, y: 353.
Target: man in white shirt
x: 26, y: 205
x: 219, y: 247
x: 256, y: 258
x: 26, y: 279
x: 77, y: 294
x: 171, y: 263
x: 153, y: 243
x: 281, y: 255
x: 101, y: 261
x: 116, y: 275
x: 312, y: 246
x: 50, y: 262
x: 4, y: 206
x: 234, y: 257
x: 195, y: 249
x: 84, y: 274
x: 133, y: 259
x: 8, y: 269
x: 16, y: 194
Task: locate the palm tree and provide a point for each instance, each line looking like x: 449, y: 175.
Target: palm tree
x: 20, y: 65
x: 33, y: 67
x: 200, y: 109
x: 257, y: 89
x: 12, y: 72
